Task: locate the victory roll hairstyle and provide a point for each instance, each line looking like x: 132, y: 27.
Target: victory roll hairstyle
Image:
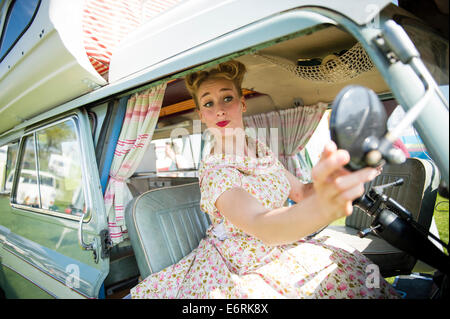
x: 231, y: 70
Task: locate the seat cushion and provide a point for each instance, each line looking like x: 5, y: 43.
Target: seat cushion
x: 391, y: 260
x: 164, y: 225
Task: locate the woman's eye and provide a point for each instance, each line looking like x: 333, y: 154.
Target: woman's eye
x: 228, y: 99
x: 208, y: 104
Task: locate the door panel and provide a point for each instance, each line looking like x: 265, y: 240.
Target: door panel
x: 55, y: 274
x: 40, y: 250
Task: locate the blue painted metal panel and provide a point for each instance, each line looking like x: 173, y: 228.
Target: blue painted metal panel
x: 117, y: 126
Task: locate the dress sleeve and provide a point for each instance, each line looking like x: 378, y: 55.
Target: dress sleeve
x: 213, y: 183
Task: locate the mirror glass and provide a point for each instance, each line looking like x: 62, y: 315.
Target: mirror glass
x: 357, y: 123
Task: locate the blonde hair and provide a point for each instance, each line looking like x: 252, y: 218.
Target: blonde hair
x: 231, y: 70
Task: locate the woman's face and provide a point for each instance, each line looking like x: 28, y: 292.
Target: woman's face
x: 220, y: 106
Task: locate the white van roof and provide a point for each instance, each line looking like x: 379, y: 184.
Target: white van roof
x: 195, y: 22
x: 47, y: 66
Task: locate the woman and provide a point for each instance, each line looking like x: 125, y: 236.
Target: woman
x: 255, y: 246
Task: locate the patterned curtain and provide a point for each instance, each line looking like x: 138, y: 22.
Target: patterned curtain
x: 139, y: 124
x: 294, y: 127
x: 266, y: 126
x: 297, y: 126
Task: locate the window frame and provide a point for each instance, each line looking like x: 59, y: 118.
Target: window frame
x: 87, y: 199
x: 5, y: 177
x: 6, y: 12
x: 3, y: 183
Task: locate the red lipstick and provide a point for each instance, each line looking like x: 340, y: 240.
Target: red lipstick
x: 222, y: 123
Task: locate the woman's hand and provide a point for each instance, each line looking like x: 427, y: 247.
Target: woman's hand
x: 335, y: 186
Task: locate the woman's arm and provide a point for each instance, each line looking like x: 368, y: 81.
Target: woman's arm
x: 274, y: 227
x: 334, y: 190
x: 299, y: 191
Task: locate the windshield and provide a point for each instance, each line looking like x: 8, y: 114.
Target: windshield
x: 431, y: 43
x: 19, y: 16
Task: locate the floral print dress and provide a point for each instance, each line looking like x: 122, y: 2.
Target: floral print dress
x: 228, y: 263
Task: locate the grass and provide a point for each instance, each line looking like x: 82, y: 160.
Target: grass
x: 441, y: 217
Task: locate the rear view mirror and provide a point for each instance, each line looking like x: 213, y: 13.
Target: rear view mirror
x: 358, y: 124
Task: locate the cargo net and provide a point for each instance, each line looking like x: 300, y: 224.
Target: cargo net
x: 333, y: 68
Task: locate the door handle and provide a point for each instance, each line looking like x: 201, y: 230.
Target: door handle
x: 91, y: 246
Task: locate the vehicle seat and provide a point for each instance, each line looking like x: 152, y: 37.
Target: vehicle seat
x: 417, y: 194
x: 164, y: 225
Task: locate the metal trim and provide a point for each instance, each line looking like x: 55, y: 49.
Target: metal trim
x: 44, y: 211
x: 42, y: 271
x: 28, y: 279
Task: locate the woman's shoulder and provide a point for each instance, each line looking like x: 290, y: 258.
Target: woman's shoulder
x: 214, y: 166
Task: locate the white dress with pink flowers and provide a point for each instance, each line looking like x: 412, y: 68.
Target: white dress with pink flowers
x: 229, y: 263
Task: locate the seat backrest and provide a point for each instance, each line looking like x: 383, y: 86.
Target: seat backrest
x: 417, y: 194
x: 164, y: 225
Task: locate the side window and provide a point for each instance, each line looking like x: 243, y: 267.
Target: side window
x: 181, y: 153
x: 50, y: 176
x: 3, y: 151
x: 19, y: 16
x: 8, y: 157
x: 27, y: 189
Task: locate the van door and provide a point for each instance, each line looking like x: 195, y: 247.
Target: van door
x: 56, y: 189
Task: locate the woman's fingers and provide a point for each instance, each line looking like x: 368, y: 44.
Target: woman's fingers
x: 343, y: 201
x: 379, y: 169
x: 336, y: 186
x: 348, y: 209
x: 345, y: 182
x: 329, y: 164
x: 350, y: 186
x: 329, y: 148
x: 338, y: 193
x: 352, y: 193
